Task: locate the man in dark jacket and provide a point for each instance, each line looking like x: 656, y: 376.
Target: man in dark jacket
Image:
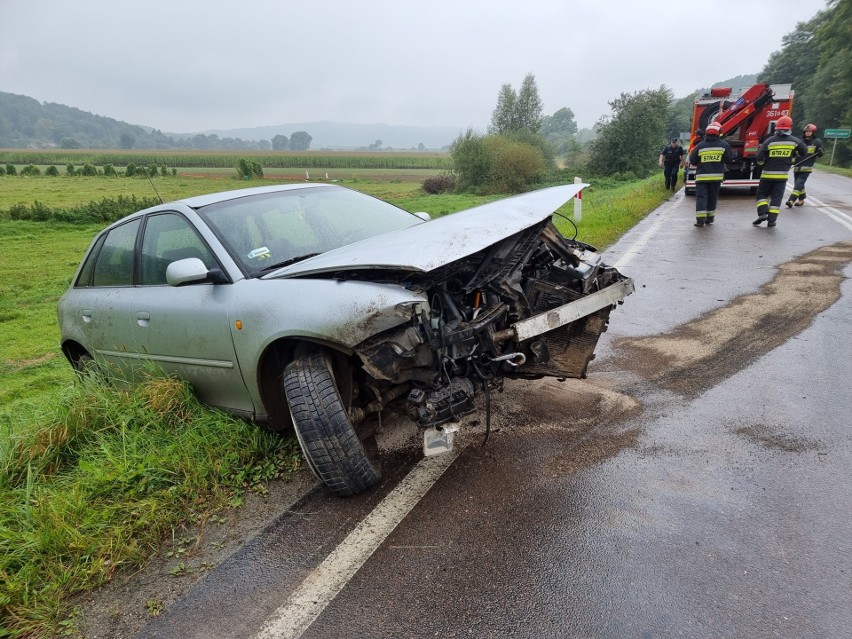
x: 777, y: 153
x: 804, y: 168
x: 710, y: 157
x: 671, y: 159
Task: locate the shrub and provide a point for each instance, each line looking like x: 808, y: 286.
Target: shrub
x: 130, y: 170
x: 439, y: 184
x: 515, y: 166
x: 2, y: 170
x: 163, y: 170
x: 70, y: 170
x: 36, y: 211
x: 247, y: 169
x: 11, y: 170
x: 30, y: 169
x: 52, y: 170
x: 471, y: 160
x: 152, y: 170
x: 109, y: 169
x: 88, y: 169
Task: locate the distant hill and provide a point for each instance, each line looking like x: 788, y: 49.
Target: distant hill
x: 28, y: 123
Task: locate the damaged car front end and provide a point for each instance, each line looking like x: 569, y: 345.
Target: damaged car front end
x: 527, y: 305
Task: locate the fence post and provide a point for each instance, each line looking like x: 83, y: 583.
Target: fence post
x: 578, y: 202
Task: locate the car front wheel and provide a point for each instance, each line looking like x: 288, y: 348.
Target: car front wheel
x: 326, y: 435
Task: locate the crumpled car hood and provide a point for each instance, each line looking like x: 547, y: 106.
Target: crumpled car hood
x: 425, y: 247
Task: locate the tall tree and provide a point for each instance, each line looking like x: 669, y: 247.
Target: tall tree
x: 503, y: 119
x: 628, y: 139
x: 816, y: 59
x: 300, y: 141
x: 528, y: 108
x: 517, y: 111
x: 560, y: 123
x: 280, y: 142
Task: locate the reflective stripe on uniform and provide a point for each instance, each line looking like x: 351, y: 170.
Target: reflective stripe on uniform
x: 762, y: 203
x: 774, y: 175
x: 709, y: 177
x: 701, y: 214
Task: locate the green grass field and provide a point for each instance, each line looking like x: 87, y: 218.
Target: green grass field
x: 94, y: 476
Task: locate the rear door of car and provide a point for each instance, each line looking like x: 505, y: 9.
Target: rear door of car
x: 95, y: 310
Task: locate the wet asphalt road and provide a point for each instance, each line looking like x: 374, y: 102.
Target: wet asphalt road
x: 698, y: 486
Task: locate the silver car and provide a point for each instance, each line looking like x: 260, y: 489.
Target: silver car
x: 316, y: 306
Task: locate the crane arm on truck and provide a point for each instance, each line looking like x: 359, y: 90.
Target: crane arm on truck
x: 745, y: 108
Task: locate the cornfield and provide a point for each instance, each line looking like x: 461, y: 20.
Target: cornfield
x: 228, y: 159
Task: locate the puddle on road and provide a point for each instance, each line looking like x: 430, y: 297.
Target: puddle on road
x: 700, y: 354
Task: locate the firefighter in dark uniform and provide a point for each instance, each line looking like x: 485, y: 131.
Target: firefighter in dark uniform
x: 777, y: 153
x: 671, y: 159
x: 710, y: 156
x: 803, y: 169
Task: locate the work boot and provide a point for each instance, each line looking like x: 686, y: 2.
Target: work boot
x: 789, y: 204
x: 770, y: 223
x: 762, y: 217
x: 699, y: 223
x: 800, y: 203
x: 710, y: 219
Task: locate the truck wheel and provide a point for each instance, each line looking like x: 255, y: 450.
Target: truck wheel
x: 689, y: 191
x: 325, y: 433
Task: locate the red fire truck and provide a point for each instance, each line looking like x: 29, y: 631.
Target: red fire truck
x: 747, y: 118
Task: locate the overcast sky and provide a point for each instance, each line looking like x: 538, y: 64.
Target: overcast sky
x: 185, y: 66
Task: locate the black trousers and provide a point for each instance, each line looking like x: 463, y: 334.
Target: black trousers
x: 769, y: 195
x: 706, y: 196
x: 799, y: 179
x: 671, y: 175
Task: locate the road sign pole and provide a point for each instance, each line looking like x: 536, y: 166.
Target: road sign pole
x: 831, y: 161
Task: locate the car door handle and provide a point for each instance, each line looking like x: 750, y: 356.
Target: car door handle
x: 87, y: 315
x: 143, y: 318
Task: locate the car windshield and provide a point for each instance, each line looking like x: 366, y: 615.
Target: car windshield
x: 263, y: 232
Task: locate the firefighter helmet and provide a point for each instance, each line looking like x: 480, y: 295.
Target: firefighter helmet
x: 714, y: 128
x: 785, y: 123
x: 811, y: 128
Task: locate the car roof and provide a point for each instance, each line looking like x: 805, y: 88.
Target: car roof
x: 198, y: 201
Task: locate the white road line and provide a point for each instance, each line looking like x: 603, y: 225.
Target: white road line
x: 649, y: 233
x: 829, y: 211
x: 320, y: 587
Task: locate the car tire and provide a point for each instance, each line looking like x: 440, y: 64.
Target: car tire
x: 326, y: 435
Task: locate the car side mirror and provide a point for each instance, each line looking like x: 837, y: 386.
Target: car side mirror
x: 191, y: 269
x: 423, y: 215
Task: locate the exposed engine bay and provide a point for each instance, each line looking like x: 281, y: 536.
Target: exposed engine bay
x: 532, y: 305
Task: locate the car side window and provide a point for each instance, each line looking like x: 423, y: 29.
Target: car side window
x: 85, y: 276
x: 114, y: 265
x: 169, y: 237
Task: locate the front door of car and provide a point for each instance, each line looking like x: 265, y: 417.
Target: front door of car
x: 185, y: 330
